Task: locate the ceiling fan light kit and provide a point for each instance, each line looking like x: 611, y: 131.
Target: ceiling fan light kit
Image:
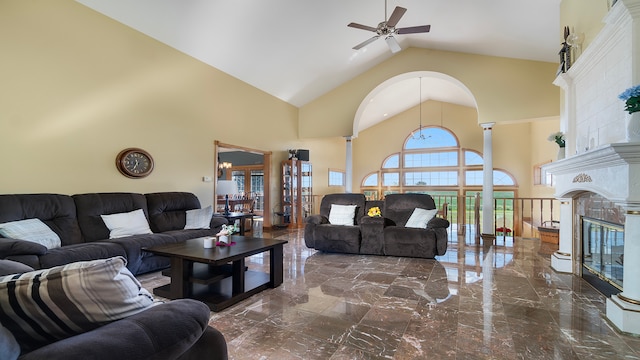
x: 387, y: 29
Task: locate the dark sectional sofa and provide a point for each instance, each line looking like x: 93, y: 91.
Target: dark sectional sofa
x: 385, y: 235
x: 83, y: 234
x: 173, y: 330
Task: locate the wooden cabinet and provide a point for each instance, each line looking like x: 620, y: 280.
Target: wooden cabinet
x: 297, y: 194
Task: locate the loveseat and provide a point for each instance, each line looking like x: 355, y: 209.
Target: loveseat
x: 79, y: 222
x: 173, y: 330
x: 397, y: 232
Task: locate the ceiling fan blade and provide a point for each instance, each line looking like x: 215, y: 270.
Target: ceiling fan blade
x: 362, y: 27
x: 393, y: 44
x: 397, y: 13
x: 414, y: 29
x: 365, y: 43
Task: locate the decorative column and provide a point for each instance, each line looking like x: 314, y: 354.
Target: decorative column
x: 623, y: 309
x: 488, y: 203
x: 561, y: 259
x: 349, y: 166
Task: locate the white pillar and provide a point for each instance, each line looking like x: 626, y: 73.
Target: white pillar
x: 349, y: 166
x: 561, y: 259
x: 623, y: 309
x: 488, y: 228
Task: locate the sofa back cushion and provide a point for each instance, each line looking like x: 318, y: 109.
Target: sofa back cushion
x: 58, y: 212
x: 344, y: 199
x: 91, y: 206
x: 167, y: 210
x: 399, y: 207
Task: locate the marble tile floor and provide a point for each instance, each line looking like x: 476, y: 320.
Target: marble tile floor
x: 476, y: 302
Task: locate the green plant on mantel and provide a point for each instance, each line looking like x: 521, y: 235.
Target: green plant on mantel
x: 558, y: 138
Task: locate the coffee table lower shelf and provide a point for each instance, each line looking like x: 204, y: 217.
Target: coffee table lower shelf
x: 219, y: 295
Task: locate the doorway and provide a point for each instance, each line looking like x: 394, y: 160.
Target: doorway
x: 251, y: 171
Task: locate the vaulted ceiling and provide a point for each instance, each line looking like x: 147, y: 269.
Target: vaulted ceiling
x: 297, y: 50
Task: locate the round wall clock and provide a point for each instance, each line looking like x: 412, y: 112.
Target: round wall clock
x: 134, y: 163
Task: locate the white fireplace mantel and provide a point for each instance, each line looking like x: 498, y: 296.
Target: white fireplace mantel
x: 612, y: 170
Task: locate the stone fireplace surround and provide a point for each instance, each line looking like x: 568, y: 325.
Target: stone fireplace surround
x: 600, y: 159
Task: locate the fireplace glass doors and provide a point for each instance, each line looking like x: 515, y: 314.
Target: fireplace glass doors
x: 602, y: 246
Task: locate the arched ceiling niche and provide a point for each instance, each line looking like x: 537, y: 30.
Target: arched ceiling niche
x: 402, y: 92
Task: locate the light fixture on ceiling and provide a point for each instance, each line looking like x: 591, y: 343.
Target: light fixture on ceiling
x: 419, y: 134
x: 224, y: 165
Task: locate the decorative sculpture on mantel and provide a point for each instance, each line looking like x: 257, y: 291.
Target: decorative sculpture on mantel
x: 565, y: 53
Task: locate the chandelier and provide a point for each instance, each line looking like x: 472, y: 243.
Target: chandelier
x: 419, y: 135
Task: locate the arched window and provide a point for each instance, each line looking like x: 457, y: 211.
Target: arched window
x: 433, y: 162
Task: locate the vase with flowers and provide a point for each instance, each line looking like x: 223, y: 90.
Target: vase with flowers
x: 223, y: 235
x: 558, y: 138
x: 631, y: 98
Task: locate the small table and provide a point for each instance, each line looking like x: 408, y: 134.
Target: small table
x: 205, y: 274
x: 233, y: 216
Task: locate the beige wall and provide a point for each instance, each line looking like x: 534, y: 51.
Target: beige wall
x: 543, y: 151
x: 79, y: 87
x: 504, y: 89
x: 583, y: 16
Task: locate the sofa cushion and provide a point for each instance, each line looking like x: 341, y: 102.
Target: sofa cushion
x: 44, y: 306
x: 337, y: 238
x: 126, y: 224
x: 199, y: 218
x: 32, y: 230
x: 91, y: 206
x: 58, y: 212
x: 420, y: 217
x: 167, y: 210
x: 410, y: 242
x: 80, y: 252
x: 344, y: 199
x: 342, y: 214
x: 399, y: 207
x: 136, y: 256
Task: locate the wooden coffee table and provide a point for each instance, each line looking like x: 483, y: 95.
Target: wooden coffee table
x: 206, y: 275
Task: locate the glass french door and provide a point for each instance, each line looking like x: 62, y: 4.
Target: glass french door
x: 250, y: 180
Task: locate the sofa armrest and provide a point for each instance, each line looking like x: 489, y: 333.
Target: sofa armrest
x: 211, y: 339
x: 217, y: 222
x: 165, y: 331
x: 438, y: 222
x: 9, y: 247
x: 9, y: 267
x: 316, y: 219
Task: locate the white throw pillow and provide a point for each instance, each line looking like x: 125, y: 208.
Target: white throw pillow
x: 420, y: 217
x: 32, y: 230
x: 342, y: 214
x: 199, y: 218
x: 126, y: 224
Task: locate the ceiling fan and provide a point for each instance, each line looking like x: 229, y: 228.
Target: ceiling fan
x: 387, y: 29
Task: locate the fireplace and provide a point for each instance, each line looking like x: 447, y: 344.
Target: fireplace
x: 602, y: 254
x: 598, y: 183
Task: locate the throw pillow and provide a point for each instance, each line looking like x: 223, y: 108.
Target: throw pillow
x: 342, y: 214
x: 43, y: 306
x: 420, y: 217
x: 33, y: 230
x: 199, y: 218
x: 126, y: 224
